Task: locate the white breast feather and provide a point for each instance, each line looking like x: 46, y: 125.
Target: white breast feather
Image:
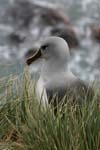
x: 41, y: 93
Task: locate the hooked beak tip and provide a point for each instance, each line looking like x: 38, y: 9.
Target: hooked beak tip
x: 33, y: 58
x: 28, y: 62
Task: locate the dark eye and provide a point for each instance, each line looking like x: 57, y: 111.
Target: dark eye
x: 44, y: 47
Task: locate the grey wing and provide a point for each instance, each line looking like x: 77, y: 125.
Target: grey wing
x: 77, y: 91
x: 83, y: 90
x: 57, y: 93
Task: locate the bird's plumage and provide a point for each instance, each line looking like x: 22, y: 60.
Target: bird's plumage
x: 56, y: 77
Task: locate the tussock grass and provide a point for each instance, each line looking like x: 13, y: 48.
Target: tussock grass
x: 25, y: 126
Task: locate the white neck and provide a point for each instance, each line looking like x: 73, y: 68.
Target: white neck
x: 51, y: 70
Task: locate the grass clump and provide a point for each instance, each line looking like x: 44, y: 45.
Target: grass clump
x: 25, y: 126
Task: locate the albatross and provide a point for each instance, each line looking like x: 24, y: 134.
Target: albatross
x: 56, y: 76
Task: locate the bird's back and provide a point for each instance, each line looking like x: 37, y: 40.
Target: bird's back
x: 72, y: 90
